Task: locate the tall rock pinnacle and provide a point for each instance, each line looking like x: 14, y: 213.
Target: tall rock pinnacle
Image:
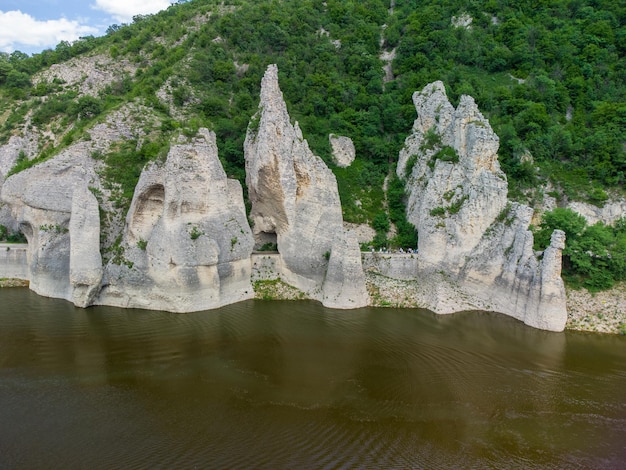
x: 295, y: 204
x: 457, y: 201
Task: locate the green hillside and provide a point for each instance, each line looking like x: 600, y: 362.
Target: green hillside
x: 549, y: 75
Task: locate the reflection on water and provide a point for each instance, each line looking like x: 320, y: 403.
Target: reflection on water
x: 295, y: 385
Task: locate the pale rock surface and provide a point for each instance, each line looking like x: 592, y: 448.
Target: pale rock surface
x: 475, y: 249
x: 387, y: 57
x: 504, y: 273
x: 9, y: 154
x: 609, y: 213
x: 462, y: 21
x: 345, y: 278
x: 10, y: 151
x: 85, y: 259
x: 343, y: 151
x: 187, y: 241
x: 88, y: 74
x: 41, y: 200
x: 469, y: 194
x: 364, y: 233
x: 295, y: 203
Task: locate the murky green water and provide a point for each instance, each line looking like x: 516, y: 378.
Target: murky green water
x: 294, y: 385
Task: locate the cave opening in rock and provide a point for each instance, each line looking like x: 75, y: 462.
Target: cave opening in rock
x: 24, y: 234
x: 266, y: 241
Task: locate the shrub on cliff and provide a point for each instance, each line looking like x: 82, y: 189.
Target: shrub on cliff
x: 594, y: 256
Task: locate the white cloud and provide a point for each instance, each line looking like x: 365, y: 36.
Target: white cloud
x: 17, y: 28
x: 124, y: 10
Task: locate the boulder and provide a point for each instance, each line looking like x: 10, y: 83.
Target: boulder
x: 343, y: 150
x: 295, y: 203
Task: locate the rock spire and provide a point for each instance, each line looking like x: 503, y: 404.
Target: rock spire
x: 295, y: 203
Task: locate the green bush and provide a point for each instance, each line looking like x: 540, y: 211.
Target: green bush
x: 594, y: 256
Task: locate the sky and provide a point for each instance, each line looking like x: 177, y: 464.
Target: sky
x: 31, y: 26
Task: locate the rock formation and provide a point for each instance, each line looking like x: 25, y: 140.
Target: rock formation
x: 43, y: 200
x: 343, y: 150
x: 186, y: 245
x: 609, y: 213
x: 187, y: 242
x: 467, y: 229
x: 456, y: 188
x: 295, y: 203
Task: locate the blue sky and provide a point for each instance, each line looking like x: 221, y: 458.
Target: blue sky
x: 31, y: 26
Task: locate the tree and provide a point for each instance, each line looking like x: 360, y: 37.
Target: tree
x: 572, y: 223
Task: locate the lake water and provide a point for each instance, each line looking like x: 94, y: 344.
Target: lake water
x: 294, y: 385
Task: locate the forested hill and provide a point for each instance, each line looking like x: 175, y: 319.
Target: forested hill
x: 549, y: 75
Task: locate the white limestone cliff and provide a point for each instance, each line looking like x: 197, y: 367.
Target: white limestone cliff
x: 457, y: 200
x: 186, y: 245
x: 295, y: 203
x: 187, y: 242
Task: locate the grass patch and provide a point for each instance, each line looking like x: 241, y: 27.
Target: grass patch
x: 446, y: 154
x: 276, y: 289
x: 124, y: 165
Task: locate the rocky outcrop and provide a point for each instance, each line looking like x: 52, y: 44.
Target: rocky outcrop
x: 10, y: 152
x: 455, y: 185
x: 343, y: 151
x: 42, y: 200
x: 608, y: 214
x: 186, y: 245
x: 504, y: 275
x: 467, y: 229
x: 88, y: 74
x: 187, y: 242
x: 17, y: 147
x: 295, y: 203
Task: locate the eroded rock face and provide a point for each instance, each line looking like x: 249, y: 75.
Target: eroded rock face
x: 187, y: 242
x: 295, y: 203
x: 10, y: 151
x: 85, y: 259
x: 89, y: 74
x: 42, y: 201
x: 608, y: 214
x: 467, y: 229
x: 506, y: 276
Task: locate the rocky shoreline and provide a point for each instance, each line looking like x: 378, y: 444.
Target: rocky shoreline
x: 6, y: 282
x: 601, y: 312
